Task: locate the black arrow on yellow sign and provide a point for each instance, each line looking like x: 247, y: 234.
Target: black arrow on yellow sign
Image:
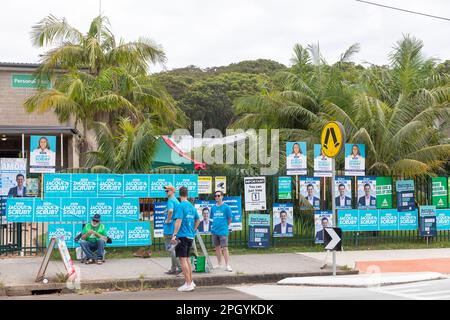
x: 330, y: 131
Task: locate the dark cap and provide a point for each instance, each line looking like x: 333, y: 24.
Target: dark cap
x: 96, y: 217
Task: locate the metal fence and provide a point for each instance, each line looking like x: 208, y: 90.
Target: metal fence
x: 31, y: 238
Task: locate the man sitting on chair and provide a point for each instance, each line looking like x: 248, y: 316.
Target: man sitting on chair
x: 93, y: 239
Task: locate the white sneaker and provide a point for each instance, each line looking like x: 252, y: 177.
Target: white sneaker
x: 217, y: 266
x: 186, y: 288
x: 228, y: 268
x: 193, y: 283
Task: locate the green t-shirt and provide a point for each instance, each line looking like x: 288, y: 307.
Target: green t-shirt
x: 100, y: 229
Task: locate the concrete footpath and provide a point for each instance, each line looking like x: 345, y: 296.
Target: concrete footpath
x: 408, y: 260
x: 17, y: 274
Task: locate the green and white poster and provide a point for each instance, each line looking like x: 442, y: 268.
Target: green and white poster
x: 439, y: 192
x: 284, y: 188
x: 384, y: 192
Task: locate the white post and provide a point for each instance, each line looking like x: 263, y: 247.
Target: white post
x: 23, y: 145
x: 62, y: 151
x: 334, y: 263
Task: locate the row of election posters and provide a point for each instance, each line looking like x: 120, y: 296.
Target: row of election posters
x: 296, y: 160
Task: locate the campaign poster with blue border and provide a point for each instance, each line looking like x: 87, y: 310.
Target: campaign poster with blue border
x: 348, y: 219
x: 235, y: 204
x: 102, y: 206
x: 443, y: 219
x: 388, y: 219
x: 258, y: 230
x: 117, y: 231
x: 138, y: 234
x: 74, y: 209
x: 355, y: 159
x: 20, y: 210
x: 322, y: 219
x: 310, y: 190
x: 343, y: 192
x: 296, y: 158
x: 367, y: 192
x: 405, y: 195
x: 110, y: 185
x: 368, y: 220
x: 159, y: 217
x: 47, y: 210
x: 84, y: 185
x: 42, y: 154
x: 203, y: 208
x: 126, y: 209
x: 408, y: 220
x: 136, y: 185
x: 283, y: 220
x: 322, y: 164
x: 57, y: 185
x: 190, y: 181
x: 157, y: 184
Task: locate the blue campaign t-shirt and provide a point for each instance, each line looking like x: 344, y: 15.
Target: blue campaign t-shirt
x: 220, y: 216
x: 186, y: 211
x: 172, y: 203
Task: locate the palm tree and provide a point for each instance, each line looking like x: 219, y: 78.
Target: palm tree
x: 98, y: 78
x: 129, y: 150
x: 399, y: 112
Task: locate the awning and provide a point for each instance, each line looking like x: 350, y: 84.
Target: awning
x: 38, y: 130
x: 169, y: 155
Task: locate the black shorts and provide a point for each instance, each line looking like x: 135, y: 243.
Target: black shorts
x: 182, y: 249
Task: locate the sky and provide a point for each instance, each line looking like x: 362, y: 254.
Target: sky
x: 209, y: 33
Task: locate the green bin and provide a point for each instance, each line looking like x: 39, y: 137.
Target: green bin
x: 198, y: 263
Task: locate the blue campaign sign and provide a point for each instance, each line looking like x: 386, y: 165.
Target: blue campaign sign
x: 84, y: 185
x: 258, y: 230
x: 57, y: 185
x: 189, y: 181
x: 102, y: 206
x: 47, y: 210
x: 136, y: 185
x: 74, y: 209
x: 65, y: 230
x: 19, y: 210
x: 408, y: 220
x: 405, y: 195
x: 348, y: 220
x: 388, y: 219
x: 110, y: 185
x: 368, y: 220
x: 159, y: 217
x: 443, y: 219
x: 138, y: 234
x: 117, y: 231
x: 235, y: 204
x: 126, y: 209
x: 157, y: 184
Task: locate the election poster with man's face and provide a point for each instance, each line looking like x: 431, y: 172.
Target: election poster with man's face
x: 367, y: 198
x: 310, y: 190
x: 343, y: 192
x: 203, y: 208
x: 322, y: 219
x: 283, y: 220
x: 296, y: 158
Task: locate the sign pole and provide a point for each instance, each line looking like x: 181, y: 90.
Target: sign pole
x: 333, y: 205
x: 334, y: 263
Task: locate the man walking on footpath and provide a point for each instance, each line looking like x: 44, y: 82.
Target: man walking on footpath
x: 172, y: 203
x: 221, y: 215
x: 186, y: 224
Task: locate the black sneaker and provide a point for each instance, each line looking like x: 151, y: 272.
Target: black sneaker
x: 171, y: 272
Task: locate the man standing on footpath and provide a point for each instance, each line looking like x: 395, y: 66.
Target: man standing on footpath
x: 187, y: 221
x: 221, y: 215
x: 172, y: 203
